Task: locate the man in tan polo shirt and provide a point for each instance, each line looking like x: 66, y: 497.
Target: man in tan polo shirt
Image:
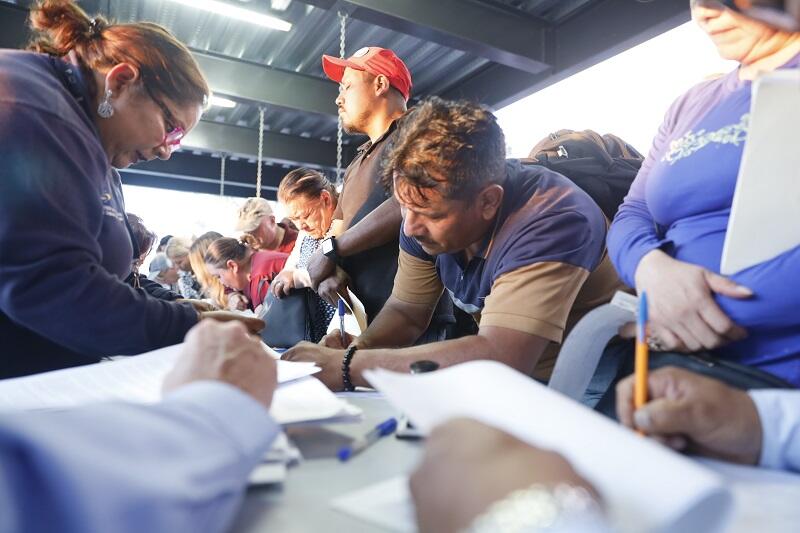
x: 521, y: 248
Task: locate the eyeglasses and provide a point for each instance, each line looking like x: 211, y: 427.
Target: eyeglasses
x: 172, y: 133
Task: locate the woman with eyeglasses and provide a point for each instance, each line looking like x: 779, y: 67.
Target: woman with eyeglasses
x: 89, y: 98
x: 668, y: 236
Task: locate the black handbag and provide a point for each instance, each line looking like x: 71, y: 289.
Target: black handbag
x: 290, y: 319
x: 734, y: 374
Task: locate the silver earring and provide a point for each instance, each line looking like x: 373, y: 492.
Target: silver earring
x: 105, y: 109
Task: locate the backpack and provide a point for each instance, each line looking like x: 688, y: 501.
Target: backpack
x: 602, y: 165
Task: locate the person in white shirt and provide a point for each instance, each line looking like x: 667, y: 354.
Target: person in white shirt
x: 475, y: 476
x: 179, y: 465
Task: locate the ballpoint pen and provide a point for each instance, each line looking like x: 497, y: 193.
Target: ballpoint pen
x: 341, y: 321
x: 386, y: 427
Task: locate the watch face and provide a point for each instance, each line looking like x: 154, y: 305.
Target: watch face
x: 327, y: 246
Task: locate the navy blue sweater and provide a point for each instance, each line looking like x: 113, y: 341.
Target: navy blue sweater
x: 64, y: 246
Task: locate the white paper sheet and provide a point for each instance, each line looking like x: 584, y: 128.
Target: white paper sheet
x: 267, y: 474
x: 307, y: 400
x: 764, y: 214
x: 764, y: 500
x: 138, y: 379
x: 355, y: 321
x: 386, y: 504
x: 275, y: 463
x: 646, y: 487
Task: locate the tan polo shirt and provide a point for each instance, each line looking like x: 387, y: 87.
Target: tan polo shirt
x: 543, y: 267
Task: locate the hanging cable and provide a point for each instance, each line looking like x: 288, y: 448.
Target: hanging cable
x: 260, y: 150
x: 339, y: 128
x: 222, y: 175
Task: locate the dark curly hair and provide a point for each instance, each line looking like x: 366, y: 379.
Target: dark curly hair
x: 453, y: 148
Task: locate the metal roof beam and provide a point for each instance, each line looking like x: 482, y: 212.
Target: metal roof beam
x: 185, y: 171
x: 259, y: 84
x: 278, y: 147
x: 240, y: 80
x: 510, y: 39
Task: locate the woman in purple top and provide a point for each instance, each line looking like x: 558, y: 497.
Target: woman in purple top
x: 667, y: 237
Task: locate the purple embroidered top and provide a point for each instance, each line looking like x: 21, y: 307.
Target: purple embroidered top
x: 680, y: 202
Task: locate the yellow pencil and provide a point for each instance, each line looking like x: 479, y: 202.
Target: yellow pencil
x: 642, y: 356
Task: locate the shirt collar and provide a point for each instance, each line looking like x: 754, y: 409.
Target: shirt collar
x: 369, y: 145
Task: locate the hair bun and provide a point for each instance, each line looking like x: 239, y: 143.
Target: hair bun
x: 96, y: 27
x: 61, y: 26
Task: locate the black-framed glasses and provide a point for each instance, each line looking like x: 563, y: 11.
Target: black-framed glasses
x: 173, y: 133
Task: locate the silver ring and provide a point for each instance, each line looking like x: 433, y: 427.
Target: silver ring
x: 655, y: 344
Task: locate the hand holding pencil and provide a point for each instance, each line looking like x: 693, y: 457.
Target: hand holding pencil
x: 692, y: 413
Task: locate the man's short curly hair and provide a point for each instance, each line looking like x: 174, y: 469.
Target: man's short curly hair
x: 453, y: 148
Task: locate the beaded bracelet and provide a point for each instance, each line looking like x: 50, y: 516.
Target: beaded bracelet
x: 348, y: 357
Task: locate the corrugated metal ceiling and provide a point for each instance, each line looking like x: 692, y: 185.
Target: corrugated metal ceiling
x: 315, y: 32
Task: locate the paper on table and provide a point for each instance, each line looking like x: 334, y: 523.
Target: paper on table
x: 273, y: 466
x: 767, y: 196
x: 138, y: 379
x: 646, y: 487
x: 267, y: 474
x: 764, y: 500
x: 308, y: 400
x: 378, y: 504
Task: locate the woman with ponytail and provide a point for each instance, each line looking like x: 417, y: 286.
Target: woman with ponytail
x: 90, y: 97
x: 241, y: 268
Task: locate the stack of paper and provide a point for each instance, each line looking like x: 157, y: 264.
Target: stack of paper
x: 298, y: 399
x: 646, y: 487
x: 273, y: 467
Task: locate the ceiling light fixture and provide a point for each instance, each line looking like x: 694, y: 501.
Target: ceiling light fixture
x: 280, y: 5
x: 219, y: 101
x: 238, y: 13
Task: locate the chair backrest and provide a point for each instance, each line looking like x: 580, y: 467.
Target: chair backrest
x: 584, y: 346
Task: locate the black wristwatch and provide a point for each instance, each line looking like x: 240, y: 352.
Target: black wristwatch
x: 330, y: 249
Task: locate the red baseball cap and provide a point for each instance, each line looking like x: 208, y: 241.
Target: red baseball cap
x: 375, y: 61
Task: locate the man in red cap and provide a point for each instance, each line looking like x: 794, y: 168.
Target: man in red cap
x: 374, y: 86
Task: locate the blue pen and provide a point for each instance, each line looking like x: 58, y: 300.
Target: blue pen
x: 341, y: 320
x: 386, y: 427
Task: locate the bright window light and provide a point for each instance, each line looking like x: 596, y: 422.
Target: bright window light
x: 234, y: 12
x: 627, y: 94
x: 219, y: 101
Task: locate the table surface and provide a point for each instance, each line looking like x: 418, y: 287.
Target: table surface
x: 302, y: 502
x: 763, y: 500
